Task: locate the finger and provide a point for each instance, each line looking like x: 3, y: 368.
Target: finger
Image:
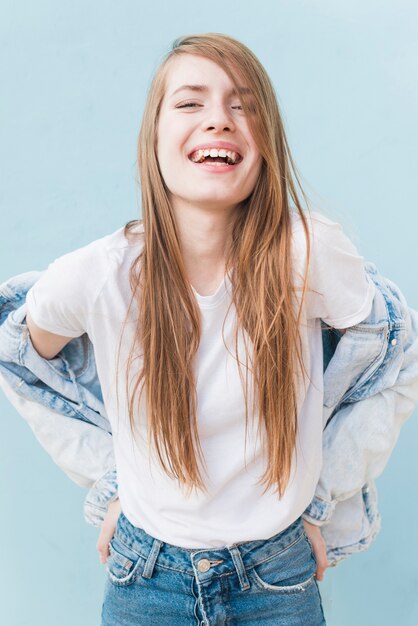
x: 103, y: 550
x: 108, y: 530
x: 320, y: 555
x: 321, y: 566
x: 102, y: 545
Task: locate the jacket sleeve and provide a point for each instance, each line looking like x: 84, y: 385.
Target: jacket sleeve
x: 360, y: 437
x: 83, y: 451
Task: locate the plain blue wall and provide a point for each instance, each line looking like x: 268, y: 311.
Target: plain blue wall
x: 74, y: 77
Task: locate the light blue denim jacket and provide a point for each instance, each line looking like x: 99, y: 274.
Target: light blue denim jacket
x: 370, y: 389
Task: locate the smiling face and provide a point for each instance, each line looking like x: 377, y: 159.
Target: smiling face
x: 199, y: 113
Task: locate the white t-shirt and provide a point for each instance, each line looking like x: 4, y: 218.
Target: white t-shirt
x: 88, y: 290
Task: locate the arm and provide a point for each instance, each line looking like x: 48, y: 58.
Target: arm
x: 45, y: 343
x: 82, y: 450
x: 77, y: 444
x: 360, y: 437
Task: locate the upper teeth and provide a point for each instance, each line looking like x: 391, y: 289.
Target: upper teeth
x: 199, y: 155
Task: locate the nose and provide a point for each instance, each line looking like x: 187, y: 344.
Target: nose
x: 219, y: 118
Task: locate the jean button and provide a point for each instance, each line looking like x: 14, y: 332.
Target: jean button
x: 393, y: 342
x: 203, y: 565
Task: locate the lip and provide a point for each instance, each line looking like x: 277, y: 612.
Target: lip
x: 216, y: 169
x: 227, y: 145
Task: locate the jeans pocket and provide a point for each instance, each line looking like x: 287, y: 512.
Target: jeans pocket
x: 290, y: 571
x: 123, y: 563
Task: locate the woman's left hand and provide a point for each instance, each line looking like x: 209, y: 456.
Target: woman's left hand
x: 319, y: 548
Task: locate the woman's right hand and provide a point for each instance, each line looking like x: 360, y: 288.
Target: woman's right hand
x: 108, y: 530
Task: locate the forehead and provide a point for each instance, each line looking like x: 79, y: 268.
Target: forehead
x: 191, y: 69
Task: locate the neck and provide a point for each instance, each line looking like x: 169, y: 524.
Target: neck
x: 205, y: 236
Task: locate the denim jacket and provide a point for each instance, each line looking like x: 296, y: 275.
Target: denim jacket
x: 370, y: 389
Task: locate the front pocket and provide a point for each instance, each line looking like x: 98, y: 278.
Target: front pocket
x: 290, y: 571
x: 123, y: 563
x: 284, y: 588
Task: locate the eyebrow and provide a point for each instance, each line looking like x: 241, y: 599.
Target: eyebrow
x: 205, y: 88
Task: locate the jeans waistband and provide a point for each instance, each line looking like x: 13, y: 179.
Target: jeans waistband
x: 206, y: 561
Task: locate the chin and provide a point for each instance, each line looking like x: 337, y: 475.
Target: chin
x: 217, y: 202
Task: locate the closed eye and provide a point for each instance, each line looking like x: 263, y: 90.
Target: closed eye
x: 195, y: 104
x: 188, y: 104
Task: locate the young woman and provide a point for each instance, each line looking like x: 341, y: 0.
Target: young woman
x: 205, y: 318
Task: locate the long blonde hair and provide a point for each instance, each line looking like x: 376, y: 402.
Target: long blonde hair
x: 167, y: 332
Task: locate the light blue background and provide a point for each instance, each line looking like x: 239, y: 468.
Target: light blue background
x: 74, y: 77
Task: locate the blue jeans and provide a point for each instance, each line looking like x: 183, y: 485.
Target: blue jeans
x: 261, y: 582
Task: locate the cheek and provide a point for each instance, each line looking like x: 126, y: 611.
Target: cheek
x: 163, y: 144
x: 254, y: 172
x: 163, y: 156
x: 169, y: 165
x: 169, y: 151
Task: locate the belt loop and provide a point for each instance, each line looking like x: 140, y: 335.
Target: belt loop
x: 239, y: 566
x: 152, y: 557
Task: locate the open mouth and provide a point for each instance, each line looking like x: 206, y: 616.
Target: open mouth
x: 213, y: 155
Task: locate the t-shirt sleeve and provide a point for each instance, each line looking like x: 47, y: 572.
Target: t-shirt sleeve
x: 341, y: 292
x: 62, y: 298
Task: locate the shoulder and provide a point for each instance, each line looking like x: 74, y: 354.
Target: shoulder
x: 62, y: 299
x: 83, y: 272
x: 319, y: 225
x: 99, y: 256
x: 123, y: 245
x: 326, y: 236
x: 320, y: 229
